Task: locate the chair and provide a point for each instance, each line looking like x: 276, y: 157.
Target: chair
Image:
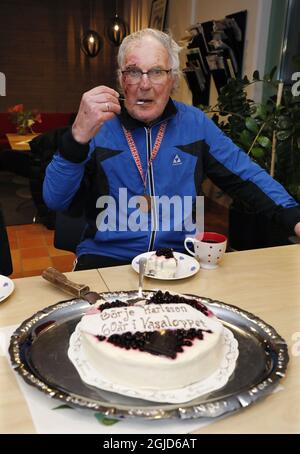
x: 6, y: 267
x: 68, y: 231
x: 68, y: 225
x: 42, y: 149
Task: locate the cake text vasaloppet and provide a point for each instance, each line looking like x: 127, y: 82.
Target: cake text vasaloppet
x: 146, y: 318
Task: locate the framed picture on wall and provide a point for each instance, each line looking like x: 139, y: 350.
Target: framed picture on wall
x: 158, y: 14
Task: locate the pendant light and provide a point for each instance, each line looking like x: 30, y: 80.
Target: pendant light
x: 91, y: 43
x: 116, y: 30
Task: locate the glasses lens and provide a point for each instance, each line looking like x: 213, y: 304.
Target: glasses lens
x: 133, y: 76
x: 156, y: 76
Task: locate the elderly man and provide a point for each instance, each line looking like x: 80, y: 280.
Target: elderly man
x: 144, y: 147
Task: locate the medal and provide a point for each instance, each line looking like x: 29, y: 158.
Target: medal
x: 144, y: 203
x: 145, y: 200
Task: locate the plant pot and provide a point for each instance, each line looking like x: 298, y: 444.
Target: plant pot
x: 22, y: 130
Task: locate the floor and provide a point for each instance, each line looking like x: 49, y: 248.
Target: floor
x: 32, y: 251
x: 32, y: 247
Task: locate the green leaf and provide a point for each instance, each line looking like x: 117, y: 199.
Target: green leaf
x: 245, y: 138
x: 257, y: 152
x: 284, y: 135
x: 284, y: 122
x: 63, y: 407
x: 261, y: 111
x: 251, y: 125
x: 272, y: 73
x: 265, y: 142
x: 102, y: 419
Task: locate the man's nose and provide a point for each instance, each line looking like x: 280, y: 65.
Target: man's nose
x: 145, y: 81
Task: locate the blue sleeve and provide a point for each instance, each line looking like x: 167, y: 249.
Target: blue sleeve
x: 62, y: 181
x: 236, y: 173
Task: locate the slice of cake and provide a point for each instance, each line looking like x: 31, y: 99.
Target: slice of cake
x: 162, y: 264
x: 165, y: 342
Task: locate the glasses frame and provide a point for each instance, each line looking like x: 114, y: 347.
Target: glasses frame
x: 125, y: 71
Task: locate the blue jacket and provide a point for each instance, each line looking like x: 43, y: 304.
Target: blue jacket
x: 193, y: 147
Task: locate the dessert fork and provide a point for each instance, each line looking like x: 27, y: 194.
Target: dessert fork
x: 142, y: 268
x: 124, y: 99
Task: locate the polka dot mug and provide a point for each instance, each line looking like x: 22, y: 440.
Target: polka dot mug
x: 209, y: 248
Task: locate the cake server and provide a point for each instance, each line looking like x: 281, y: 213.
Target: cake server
x: 76, y: 290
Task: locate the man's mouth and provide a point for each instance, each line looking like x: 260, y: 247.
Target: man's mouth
x: 143, y: 101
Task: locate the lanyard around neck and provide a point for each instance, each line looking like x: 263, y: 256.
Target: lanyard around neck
x: 135, y: 153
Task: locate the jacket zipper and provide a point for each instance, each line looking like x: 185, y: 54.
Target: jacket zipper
x: 151, y: 190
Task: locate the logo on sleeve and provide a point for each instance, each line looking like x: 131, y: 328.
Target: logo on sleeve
x: 177, y: 161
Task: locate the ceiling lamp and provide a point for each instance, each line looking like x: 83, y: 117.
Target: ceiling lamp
x: 91, y: 43
x: 116, y: 30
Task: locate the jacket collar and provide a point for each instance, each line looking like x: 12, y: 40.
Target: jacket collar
x: 131, y: 123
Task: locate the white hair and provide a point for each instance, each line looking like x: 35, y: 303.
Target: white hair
x: 165, y: 39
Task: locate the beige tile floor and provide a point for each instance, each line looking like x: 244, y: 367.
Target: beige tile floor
x: 32, y: 251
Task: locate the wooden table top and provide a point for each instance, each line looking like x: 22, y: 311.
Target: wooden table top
x: 20, y: 142
x: 265, y: 282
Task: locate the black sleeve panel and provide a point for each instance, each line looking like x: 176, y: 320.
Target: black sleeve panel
x: 249, y: 193
x: 72, y: 150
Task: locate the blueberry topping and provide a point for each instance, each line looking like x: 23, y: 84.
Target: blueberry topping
x: 168, y: 343
x: 166, y: 252
x: 166, y: 298
x: 116, y: 303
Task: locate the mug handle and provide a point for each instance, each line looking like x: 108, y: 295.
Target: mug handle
x: 191, y: 240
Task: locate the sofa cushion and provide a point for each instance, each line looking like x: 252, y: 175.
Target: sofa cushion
x: 53, y: 120
x: 50, y: 120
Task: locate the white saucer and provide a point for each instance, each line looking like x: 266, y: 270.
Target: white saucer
x: 6, y: 287
x: 187, y: 265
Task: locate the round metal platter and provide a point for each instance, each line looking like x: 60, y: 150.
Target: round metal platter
x: 38, y: 351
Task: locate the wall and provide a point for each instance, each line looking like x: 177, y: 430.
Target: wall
x: 40, y: 52
x: 137, y: 13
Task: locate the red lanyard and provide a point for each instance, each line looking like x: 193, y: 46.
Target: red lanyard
x: 135, y: 153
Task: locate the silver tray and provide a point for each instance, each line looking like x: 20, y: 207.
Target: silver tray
x: 38, y: 352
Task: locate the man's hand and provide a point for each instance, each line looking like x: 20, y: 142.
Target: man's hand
x: 97, y: 106
x: 297, y: 229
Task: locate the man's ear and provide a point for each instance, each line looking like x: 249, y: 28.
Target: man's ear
x: 176, y: 80
x: 120, y: 80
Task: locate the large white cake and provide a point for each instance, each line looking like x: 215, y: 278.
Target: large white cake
x: 166, y: 342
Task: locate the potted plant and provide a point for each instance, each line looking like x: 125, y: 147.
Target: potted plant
x: 24, y: 119
x: 269, y: 131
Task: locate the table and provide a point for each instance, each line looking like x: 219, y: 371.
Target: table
x: 265, y: 282
x: 20, y: 142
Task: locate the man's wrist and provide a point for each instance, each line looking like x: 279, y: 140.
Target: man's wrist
x: 71, y: 149
x: 78, y: 137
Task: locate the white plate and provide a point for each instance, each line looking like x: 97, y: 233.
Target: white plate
x: 187, y: 265
x: 6, y: 287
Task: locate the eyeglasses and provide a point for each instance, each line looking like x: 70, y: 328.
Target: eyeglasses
x: 155, y: 75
